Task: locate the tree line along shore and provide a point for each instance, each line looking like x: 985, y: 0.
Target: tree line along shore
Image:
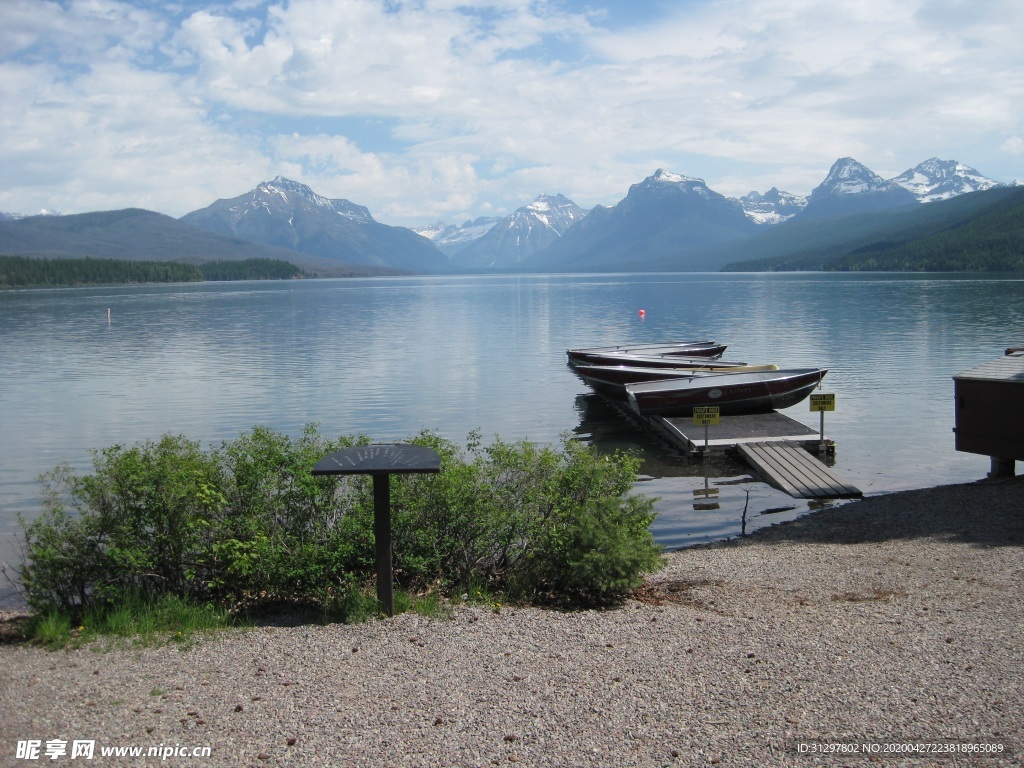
x: 24, y: 272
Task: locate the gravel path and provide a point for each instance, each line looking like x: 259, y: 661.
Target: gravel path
x: 891, y: 620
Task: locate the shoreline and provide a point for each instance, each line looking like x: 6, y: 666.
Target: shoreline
x: 892, y: 619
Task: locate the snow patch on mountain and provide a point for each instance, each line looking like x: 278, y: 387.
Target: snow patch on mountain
x: 773, y: 207
x: 848, y: 177
x: 454, y: 236
x: 936, y: 179
x: 556, y: 212
x: 525, y: 231
x: 17, y: 216
x: 291, y: 195
x: 665, y: 178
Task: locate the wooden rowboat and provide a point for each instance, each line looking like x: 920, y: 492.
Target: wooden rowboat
x: 733, y: 393
x: 612, y: 379
x: 653, y: 361
x: 708, y: 349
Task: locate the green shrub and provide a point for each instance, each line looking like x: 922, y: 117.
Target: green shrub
x: 139, y: 524
x: 527, y: 519
x: 284, y: 533
x: 248, y: 523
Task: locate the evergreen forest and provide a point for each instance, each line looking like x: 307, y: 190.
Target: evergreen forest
x: 22, y: 272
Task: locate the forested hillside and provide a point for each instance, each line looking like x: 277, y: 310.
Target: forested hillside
x: 981, y: 231
x: 21, y: 272
x: 992, y: 242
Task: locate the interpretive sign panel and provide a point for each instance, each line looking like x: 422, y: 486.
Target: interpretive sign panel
x: 381, y: 461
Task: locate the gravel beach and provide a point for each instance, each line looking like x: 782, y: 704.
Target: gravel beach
x: 884, y: 625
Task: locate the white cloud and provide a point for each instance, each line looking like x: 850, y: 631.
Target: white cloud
x: 480, y: 107
x: 1013, y: 145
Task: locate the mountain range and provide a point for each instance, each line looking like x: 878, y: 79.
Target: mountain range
x: 528, y: 231
x: 665, y: 222
x: 134, y: 234
x: 287, y: 214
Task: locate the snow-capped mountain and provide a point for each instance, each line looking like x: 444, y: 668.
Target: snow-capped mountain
x: 666, y: 182
x: 450, y: 238
x: 936, y: 179
x: 773, y: 207
x: 684, y: 195
x: 849, y: 177
x: 525, y: 232
x: 286, y: 196
x: 17, y: 216
x: 851, y: 188
x: 662, y: 217
x: 288, y: 214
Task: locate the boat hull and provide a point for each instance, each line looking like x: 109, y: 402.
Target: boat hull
x: 649, y: 361
x: 702, y: 349
x: 611, y: 380
x: 733, y: 393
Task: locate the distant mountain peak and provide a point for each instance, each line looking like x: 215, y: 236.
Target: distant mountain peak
x: 295, y: 194
x: 547, y: 203
x: 524, y: 232
x: 936, y: 179
x: 849, y: 177
x: 17, y: 216
x: 773, y: 207
x: 288, y: 185
x: 667, y: 177
x: 555, y: 211
x: 851, y: 187
x: 663, y: 182
x: 288, y: 214
x: 450, y: 238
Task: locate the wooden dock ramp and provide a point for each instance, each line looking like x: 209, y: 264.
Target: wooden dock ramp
x: 792, y: 469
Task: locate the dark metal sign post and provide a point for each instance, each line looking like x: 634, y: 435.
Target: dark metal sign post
x: 381, y: 461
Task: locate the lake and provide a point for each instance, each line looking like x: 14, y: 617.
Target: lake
x: 390, y: 357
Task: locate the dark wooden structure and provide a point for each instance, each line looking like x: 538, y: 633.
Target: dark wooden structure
x: 990, y: 411
x: 381, y: 461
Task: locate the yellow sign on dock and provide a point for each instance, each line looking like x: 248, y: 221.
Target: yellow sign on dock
x: 705, y: 415
x: 823, y: 402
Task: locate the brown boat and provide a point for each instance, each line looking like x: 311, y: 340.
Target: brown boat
x: 733, y: 393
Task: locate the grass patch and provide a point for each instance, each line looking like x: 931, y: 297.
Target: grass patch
x: 144, y: 622
x: 360, y: 604
x: 52, y: 630
x: 352, y: 603
x: 431, y: 606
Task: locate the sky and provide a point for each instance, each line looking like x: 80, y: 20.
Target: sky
x: 428, y: 110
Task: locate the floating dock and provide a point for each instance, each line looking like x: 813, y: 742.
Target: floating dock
x: 732, y: 431
x: 780, y: 449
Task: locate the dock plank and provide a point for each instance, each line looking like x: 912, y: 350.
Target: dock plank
x: 792, y: 469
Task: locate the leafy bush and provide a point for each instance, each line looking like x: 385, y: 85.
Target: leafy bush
x: 141, y: 523
x: 247, y: 523
x: 528, y: 520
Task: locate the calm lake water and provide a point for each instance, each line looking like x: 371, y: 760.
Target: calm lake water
x: 390, y: 357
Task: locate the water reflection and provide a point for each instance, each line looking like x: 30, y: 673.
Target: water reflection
x: 697, y: 501
x: 390, y: 357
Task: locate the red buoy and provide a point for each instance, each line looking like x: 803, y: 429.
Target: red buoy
x: 642, y: 313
